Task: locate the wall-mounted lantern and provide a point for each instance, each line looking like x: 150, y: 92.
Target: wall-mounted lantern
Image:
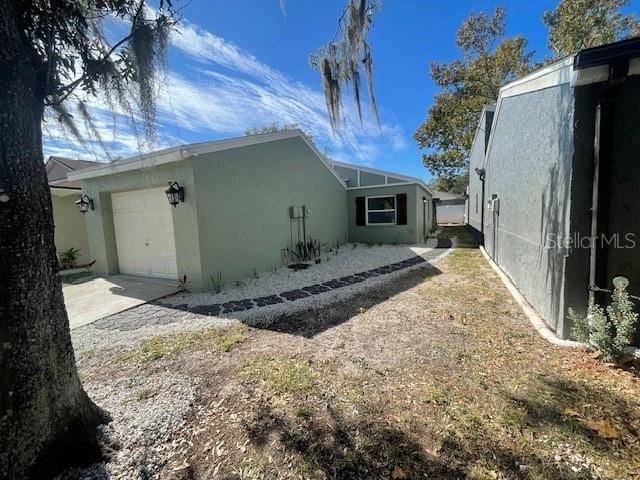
x: 175, y: 193
x: 85, y: 203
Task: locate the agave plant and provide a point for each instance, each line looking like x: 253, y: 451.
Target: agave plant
x: 308, y: 250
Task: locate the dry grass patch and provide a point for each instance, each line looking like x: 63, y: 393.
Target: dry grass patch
x: 155, y: 348
x: 282, y: 375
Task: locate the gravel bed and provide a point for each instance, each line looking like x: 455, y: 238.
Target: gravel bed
x: 91, y: 338
x: 145, y: 411
x: 352, y: 258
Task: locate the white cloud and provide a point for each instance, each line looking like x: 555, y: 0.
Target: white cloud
x: 222, y: 90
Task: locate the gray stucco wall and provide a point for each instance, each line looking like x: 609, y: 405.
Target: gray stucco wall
x: 411, y: 233
x: 243, y: 198
x: 529, y: 169
x: 476, y: 160
x: 100, y: 230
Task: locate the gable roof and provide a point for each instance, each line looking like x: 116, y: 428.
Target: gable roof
x: 67, y: 165
x: 72, y: 164
x: 185, y: 151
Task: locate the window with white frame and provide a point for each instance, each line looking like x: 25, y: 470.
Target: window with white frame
x: 381, y: 210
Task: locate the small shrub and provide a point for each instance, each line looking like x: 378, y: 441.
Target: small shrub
x: 217, y: 283
x: 307, y: 250
x: 609, y: 330
x: 182, y: 283
x: 69, y: 258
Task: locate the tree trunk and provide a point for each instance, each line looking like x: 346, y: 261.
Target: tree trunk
x: 47, y: 421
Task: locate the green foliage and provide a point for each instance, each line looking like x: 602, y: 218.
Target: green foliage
x: 488, y: 61
x: 217, y: 283
x: 308, y: 250
x: 451, y: 183
x: 76, y: 60
x: 578, y: 24
x: 579, y: 326
x: 609, y: 330
x: 69, y: 258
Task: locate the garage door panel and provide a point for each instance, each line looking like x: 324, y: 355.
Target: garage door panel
x: 143, y: 225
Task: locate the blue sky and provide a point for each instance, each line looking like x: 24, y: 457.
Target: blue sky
x: 240, y: 64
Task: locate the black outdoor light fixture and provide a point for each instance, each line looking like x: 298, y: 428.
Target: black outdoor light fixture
x: 85, y: 203
x: 175, y: 193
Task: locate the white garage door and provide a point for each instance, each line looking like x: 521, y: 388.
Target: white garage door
x: 144, y: 233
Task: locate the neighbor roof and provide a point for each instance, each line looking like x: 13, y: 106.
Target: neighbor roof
x: 72, y: 164
x: 183, y: 152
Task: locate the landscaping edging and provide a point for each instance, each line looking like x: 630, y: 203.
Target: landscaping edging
x: 536, y: 321
x: 242, y: 305
x: 162, y: 312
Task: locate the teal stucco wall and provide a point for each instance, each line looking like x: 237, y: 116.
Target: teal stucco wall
x: 411, y: 233
x: 100, y: 230
x: 243, y: 198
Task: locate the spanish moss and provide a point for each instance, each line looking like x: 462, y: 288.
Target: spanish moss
x: 340, y: 60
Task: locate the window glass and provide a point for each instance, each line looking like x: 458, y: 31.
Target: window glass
x: 381, y: 210
x: 382, y: 217
x: 381, y: 203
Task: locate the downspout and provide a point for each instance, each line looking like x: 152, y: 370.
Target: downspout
x: 481, y: 175
x: 601, y: 189
x: 593, y: 254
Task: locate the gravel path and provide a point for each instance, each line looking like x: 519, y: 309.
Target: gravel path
x: 185, y: 312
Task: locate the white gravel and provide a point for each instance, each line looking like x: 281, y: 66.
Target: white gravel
x: 145, y: 412
x: 351, y: 258
x: 92, y: 338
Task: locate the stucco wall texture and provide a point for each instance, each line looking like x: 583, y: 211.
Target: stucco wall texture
x: 70, y: 231
x: 243, y: 198
x: 411, y: 233
x: 100, y: 229
x: 529, y: 170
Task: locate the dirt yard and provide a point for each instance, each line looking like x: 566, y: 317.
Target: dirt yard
x: 438, y: 375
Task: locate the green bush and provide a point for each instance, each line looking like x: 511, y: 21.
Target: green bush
x: 69, y: 258
x: 609, y: 330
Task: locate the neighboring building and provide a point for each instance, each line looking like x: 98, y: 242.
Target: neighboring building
x: 246, y: 201
x: 562, y: 156
x: 408, y: 218
x: 450, y: 208
x: 70, y: 231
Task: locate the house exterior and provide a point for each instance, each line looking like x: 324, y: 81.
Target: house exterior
x: 246, y: 202
x: 70, y: 229
x: 554, y: 177
x: 407, y: 200
x: 450, y: 208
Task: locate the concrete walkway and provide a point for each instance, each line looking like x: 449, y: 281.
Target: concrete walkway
x: 97, y: 298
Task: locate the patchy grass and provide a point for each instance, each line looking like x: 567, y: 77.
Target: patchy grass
x: 157, y: 347
x: 441, y: 377
x: 144, y: 394
x: 283, y: 375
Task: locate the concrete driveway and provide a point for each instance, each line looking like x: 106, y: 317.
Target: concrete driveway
x: 100, y: 297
